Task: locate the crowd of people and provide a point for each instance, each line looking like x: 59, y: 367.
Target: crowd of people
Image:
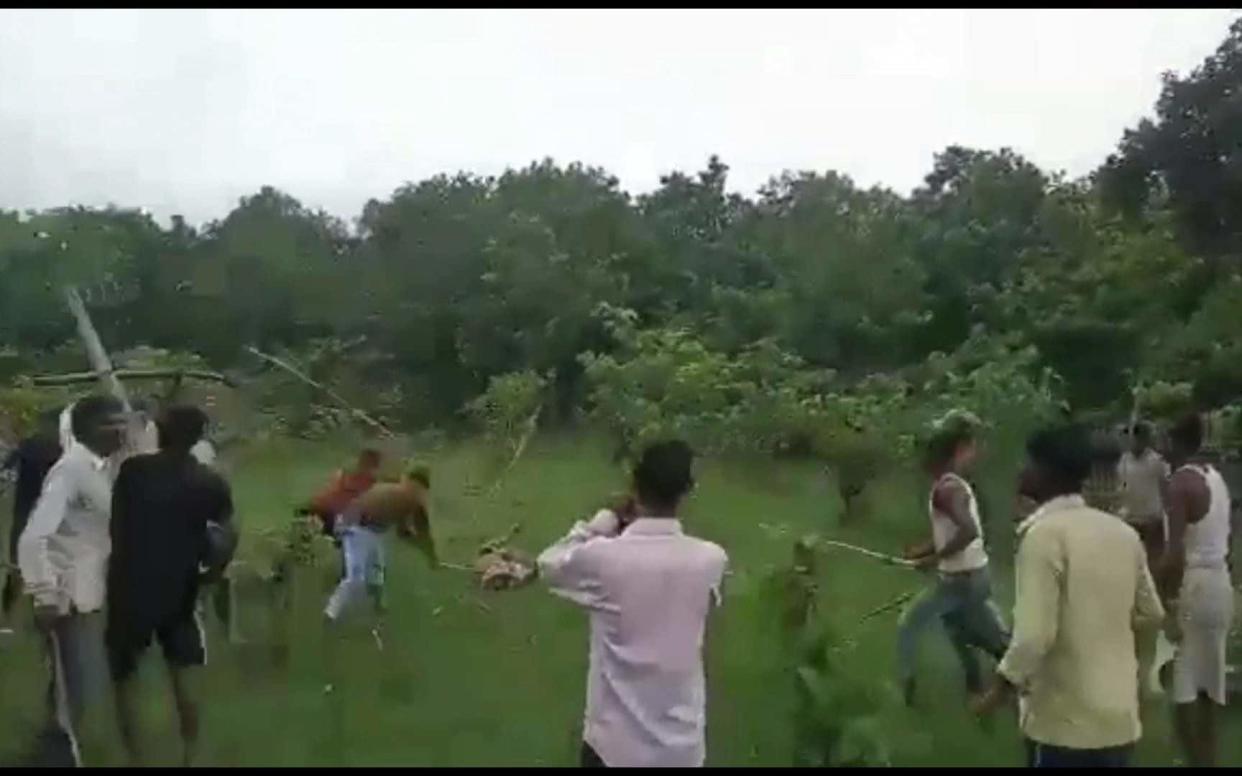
x: 113, y: 544
x: 1093, y: 589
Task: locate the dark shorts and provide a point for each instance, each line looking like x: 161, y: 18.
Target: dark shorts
x: 181, y: 638
x: 1046, y: 756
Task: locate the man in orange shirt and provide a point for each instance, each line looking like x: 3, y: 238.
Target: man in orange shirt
x: 361, y: 527
x: 331, y: 502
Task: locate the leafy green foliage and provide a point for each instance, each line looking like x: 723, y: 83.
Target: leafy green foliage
x: 745, y: 313
x: 508, y: 409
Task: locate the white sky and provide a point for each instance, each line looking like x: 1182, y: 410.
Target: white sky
x: 184, y: 111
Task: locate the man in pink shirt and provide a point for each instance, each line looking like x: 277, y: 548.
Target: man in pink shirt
x: 649, y: 589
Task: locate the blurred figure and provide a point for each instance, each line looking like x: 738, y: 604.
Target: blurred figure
x: 1084, y: 593
x: 32, y: 459
x: 1196, y: 582
x: 1143, y: 474
x: 63, y: 555
x: 1102, y: 490
x: 649, y: 589
x: 361, y: 527
x: 346, y: 485
x: 164, y: 506
x: 962, y: 596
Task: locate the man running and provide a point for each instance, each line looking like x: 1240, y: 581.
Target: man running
x: 329, y: 503
x: 162, y: 505
x: 1143, y: 473
x: 1084, y: 594
x: 962, y: 597
x: 32, y: 459
x: 1198, y: 591
x: 649, y: 589
x: 361, y: 528
x: 63, y: 555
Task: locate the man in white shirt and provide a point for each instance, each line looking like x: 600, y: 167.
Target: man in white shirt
x: 63, y: 556
x: 649, y: 589
x: 1143, y: 474
x: 1198, y: 591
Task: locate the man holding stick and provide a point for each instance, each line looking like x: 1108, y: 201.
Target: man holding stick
x: 962, y: 597
x: 63, y: 555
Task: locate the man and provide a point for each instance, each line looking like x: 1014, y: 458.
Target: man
x: 63, y: 556
x: 329, y: 503
x: 33, y: 458
x: 162, y: 505
x: 361, y: 529
x: 962, y: 597
x: 1196, y: 582
x: 1143, y: 473
x: 649, y: 589
x: 1101, y: 490
x: 1084, y: 593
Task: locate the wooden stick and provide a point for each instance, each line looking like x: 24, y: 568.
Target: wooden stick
x: 95, y: 350
x: 531, y: 424
x: 890, y: 559
x: 133, y: 374
x: 320, y: 386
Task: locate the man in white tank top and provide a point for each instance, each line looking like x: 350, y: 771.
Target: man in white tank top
x: 1195, y: 582
x: 962, y: 596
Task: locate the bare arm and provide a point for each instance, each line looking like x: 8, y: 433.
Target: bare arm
x: 953, y: 501
x: 1187, y: 502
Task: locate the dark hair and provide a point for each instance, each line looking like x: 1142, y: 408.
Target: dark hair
x: 662, y: 475
x: 945, y: 441
x: 1105, y: 449
x: 369, y: 455
x: 1065, y: 452
x: 1187, y: 433
x: 181, y: 427
x: 89, y: 411
x: 1141, y: 430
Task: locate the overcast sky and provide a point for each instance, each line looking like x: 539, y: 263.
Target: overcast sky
x: 184, y: 111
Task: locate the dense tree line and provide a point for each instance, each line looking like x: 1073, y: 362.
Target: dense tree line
x: 1130, y: 277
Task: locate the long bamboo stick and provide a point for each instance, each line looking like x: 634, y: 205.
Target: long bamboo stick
x: 132, y: 374
x: 889, y: 559
x: 320, y: 386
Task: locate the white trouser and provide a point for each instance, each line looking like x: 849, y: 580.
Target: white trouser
x: 364, y: 567
x: 1205, y: 612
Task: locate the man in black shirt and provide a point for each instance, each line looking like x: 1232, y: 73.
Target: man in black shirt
x: 161, y: 507
x: 33, y: 458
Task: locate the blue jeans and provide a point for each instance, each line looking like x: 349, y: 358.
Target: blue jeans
x: 963, y: 603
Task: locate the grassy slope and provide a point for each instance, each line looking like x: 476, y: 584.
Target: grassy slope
x: 470, y: 678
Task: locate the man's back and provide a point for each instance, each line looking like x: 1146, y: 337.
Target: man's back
x: 649, y: 592
x: 161, y: 507
x: 1083, y: 588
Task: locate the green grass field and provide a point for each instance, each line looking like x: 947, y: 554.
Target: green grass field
x: 475, y: 678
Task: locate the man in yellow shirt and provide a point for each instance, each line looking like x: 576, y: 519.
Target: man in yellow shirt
x: 1083, y: 594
